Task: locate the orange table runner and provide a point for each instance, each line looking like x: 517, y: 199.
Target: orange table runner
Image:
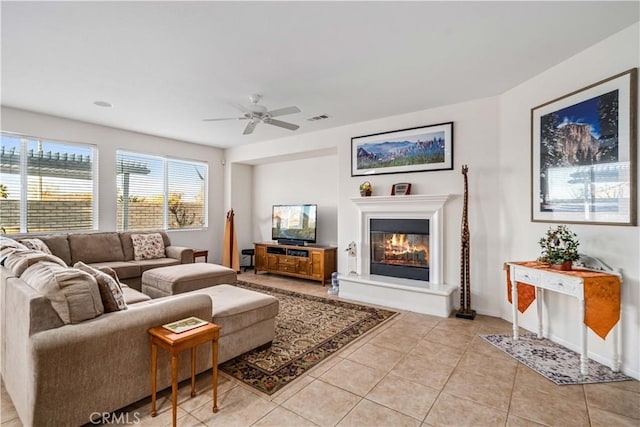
x: 601, y: 296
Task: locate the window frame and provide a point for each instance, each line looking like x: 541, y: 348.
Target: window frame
x: 165, y: 184
x: 24, y: 175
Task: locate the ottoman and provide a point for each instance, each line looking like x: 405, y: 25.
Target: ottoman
x: 247, y: 318
x: 177, y: 279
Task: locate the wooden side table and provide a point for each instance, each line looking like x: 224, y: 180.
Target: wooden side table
x: 197, y: 253
x: 174, y: 344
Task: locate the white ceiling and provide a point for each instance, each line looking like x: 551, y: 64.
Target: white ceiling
x: 165, y: 66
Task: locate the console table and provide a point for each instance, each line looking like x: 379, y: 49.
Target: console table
x: 598, y: 294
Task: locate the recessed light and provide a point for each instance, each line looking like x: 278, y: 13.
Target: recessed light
x: 103, y: 104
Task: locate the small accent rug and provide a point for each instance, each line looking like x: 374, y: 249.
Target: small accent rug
x: 551, y: 360
x: 308, y: 330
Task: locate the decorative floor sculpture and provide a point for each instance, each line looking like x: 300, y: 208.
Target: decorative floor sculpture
x: 465, y: 310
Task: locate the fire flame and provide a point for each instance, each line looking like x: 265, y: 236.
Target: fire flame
x: 399, y: 244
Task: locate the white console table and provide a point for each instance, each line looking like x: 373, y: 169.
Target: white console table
x: 565, y: 283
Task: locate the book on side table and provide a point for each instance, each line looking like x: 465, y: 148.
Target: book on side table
x: 184, y: 324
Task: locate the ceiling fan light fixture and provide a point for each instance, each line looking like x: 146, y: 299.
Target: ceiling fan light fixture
x: 255, y: 98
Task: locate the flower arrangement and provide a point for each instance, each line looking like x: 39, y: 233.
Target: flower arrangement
x: 365, y: 188
x: 559, y: 247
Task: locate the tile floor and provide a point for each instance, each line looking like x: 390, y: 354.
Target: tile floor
x: 415, y: 370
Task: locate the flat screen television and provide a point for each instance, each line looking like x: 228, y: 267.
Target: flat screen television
x: 294, y: 224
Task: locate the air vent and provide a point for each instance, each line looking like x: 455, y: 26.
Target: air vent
x: 319, y: 117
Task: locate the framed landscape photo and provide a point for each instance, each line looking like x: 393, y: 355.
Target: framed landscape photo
x: 425, y: 148
x: 583, y: 154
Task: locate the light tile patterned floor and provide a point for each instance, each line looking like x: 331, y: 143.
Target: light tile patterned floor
x: 415, y: 370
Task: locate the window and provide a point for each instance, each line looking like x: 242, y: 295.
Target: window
x: 160, y: 193
x: 47, y: 185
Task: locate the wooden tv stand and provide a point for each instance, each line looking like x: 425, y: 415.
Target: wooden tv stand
x: 312, y: 262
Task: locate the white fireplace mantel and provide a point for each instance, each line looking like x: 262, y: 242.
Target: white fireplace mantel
x: 420, y: 206
x: 433, y: 297
x: 417, y: 200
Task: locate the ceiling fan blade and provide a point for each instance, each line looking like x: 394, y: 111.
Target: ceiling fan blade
x: 224, y: 118
x: 283, y: 111
x: 281, y: 124
x: 242, y: 108
x: 250, y: 127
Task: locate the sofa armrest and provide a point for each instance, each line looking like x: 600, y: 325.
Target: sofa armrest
x: 181, y: 253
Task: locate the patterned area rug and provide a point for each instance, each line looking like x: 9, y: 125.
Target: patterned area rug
x: 553, y: 361
x: 308, y: 330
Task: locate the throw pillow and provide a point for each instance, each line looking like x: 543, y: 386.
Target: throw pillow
x: 110, y: 290
x: 36, y: 245
x: 73, y: 294
x: 147, y: 246
x: 111, y: 272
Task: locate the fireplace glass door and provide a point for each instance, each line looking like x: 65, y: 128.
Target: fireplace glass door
x: 400, y: 248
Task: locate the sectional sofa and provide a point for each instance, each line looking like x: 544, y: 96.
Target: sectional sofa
x: 110, y: 249
x: 65, y: 367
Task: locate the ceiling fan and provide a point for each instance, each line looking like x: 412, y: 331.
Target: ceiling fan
x: 258, y: 113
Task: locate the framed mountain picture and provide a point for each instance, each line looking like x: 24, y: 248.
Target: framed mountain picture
x: 583, y: 154
x: 425, y: 148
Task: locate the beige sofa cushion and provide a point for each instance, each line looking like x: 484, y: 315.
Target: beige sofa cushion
x: 18, y: 260
x: 149, y: 264
x: 95, y: 247
x: 132, y: 296
x: 59, y: 246
x: 124, y: 269
x: 147, y: 246
x: 74, y: 294
x: 110, y: 290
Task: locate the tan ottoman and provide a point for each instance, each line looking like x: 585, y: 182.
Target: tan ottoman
x: 247, y: 318
x: 177, y: 279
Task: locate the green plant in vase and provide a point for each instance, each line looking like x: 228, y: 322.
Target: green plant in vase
x: 559, y: 247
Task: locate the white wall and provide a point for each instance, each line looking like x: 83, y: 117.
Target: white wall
x: 239, y: 197
x: 108, y: 140
x: 618, y: 246
x: 475, y: 144
x: 313, y: 180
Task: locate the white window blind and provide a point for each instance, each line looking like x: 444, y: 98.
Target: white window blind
x: 160, y: 193
x: 47, y: 185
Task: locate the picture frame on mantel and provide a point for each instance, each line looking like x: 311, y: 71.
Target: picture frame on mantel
x: 583, y: 154
x: 401, y: 189
x: 419, y: 149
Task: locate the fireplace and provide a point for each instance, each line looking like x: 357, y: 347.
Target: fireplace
x: 400, y: 254
x: 399, y: 248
